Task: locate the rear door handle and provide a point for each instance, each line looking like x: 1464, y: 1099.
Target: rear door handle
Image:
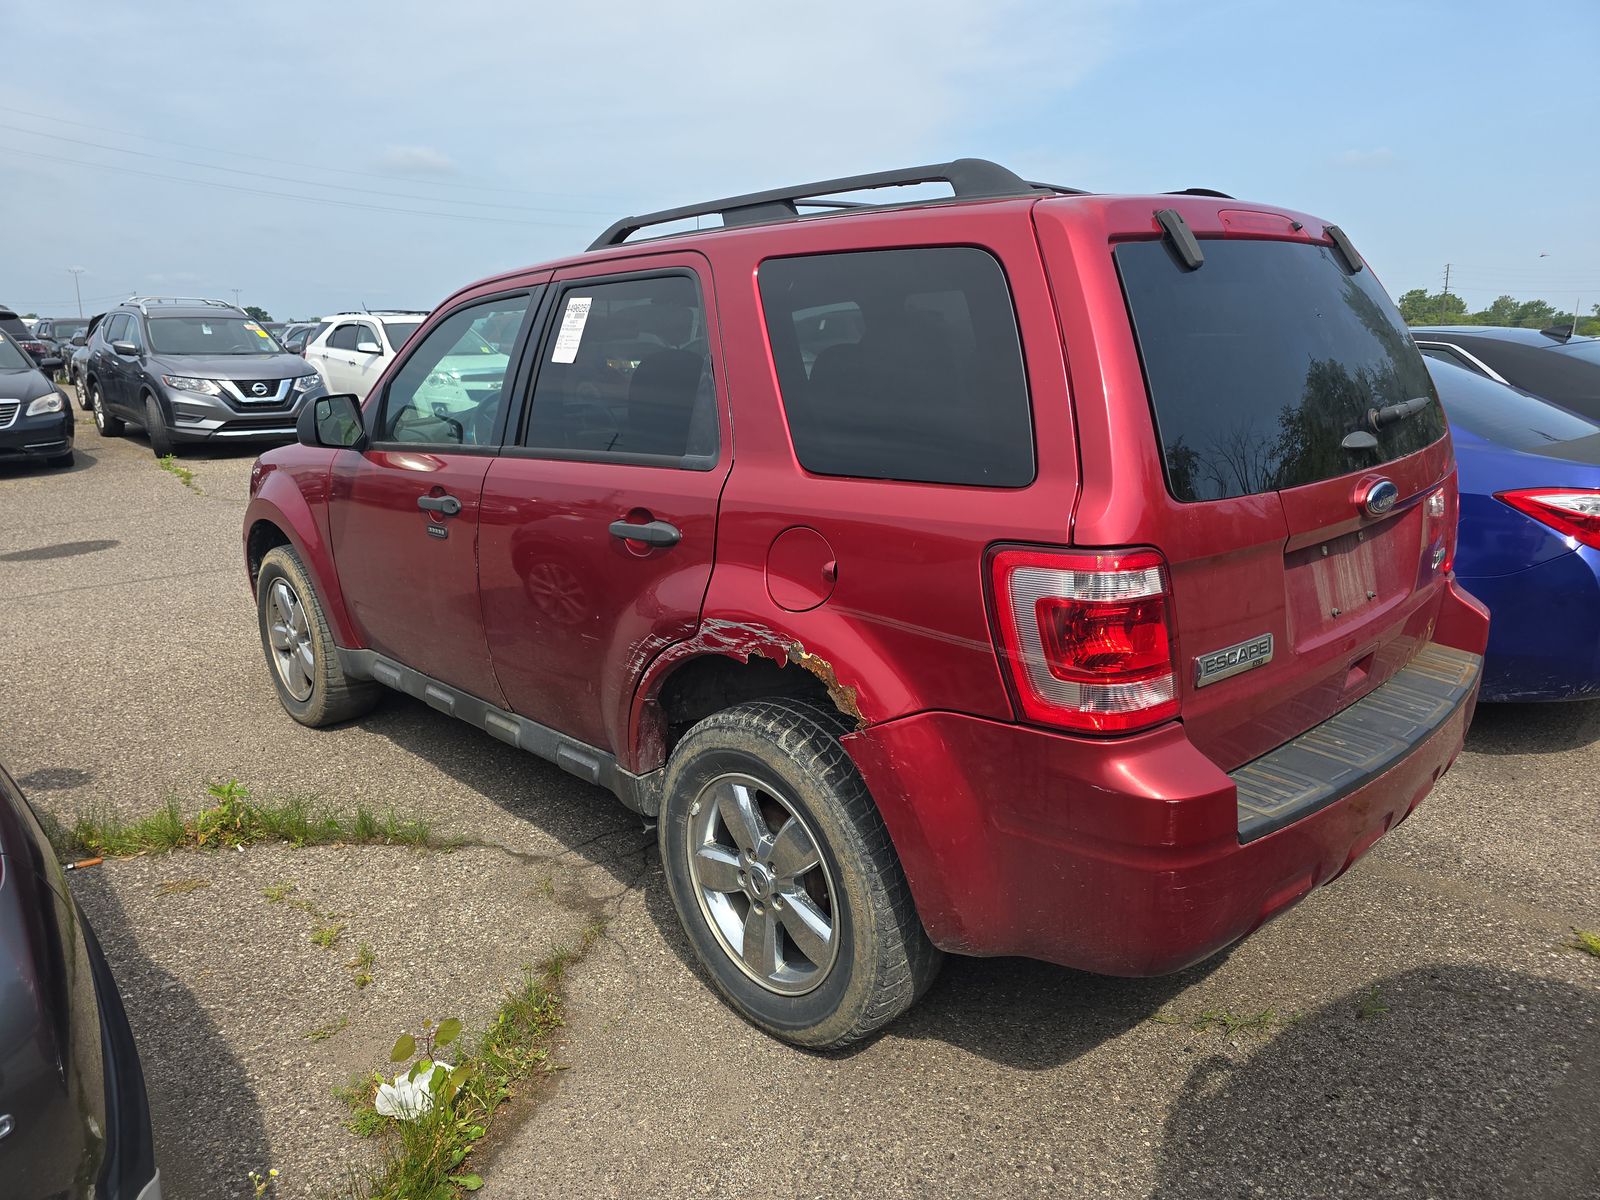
x: 651, y: 533
x: 448, y: 505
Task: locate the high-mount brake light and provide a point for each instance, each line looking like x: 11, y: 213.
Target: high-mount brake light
x: 1572, y: 511
x: 1088, y: 636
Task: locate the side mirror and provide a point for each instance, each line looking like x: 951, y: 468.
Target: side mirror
x: 126, y: 349
x: 331, y: 422
x: 368, y: 348
x: 80, y: 340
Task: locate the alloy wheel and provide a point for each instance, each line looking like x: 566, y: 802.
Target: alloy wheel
x: 289, y: 633
x: 762, y: 884
x: 99, y: 407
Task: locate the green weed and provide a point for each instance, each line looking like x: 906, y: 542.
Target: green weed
x: 170, y: 464
x: 1372, y: 1004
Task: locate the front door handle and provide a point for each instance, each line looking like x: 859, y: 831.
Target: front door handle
x: 448, y: 505
x: 651, y: 533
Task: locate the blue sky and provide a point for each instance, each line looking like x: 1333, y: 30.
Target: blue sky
x: 439, y: 143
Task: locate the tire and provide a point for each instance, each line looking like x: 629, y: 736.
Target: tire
x: 324, y: 694
x: 785, y: 755
x: 108, y: 425
x: 155, y: 428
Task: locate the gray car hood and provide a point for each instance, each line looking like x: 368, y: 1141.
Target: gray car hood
x: 232, y: 366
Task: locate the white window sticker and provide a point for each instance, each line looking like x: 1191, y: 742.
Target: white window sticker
x: 570, y: 335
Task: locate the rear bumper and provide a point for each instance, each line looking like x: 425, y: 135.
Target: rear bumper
x: 1544, y: 632
x: 1122, y: 856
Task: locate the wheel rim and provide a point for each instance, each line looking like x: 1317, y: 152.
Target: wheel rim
x: 289, y: 634
x: 99, y: 408
x: 762, y: 884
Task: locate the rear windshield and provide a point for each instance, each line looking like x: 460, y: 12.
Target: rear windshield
x: 1262, y: 360
x: 1504, y: 415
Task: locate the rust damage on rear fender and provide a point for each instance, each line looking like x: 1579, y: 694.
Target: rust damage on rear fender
x: 741, y: 639
x: 843, y: 695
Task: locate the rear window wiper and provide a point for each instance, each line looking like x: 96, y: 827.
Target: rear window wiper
x: 1377, y: 418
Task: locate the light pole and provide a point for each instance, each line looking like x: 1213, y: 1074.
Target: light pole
x: 236, y: 292
x: 77, y: 291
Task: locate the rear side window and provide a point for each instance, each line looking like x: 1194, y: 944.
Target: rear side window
x: 901, y: 364
x: 1260, y: 362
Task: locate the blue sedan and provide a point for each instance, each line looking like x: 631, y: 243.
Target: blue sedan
x: 1529, y: 542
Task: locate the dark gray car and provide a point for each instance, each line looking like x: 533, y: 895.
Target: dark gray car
x: 193, y: 371
x: 35, y: 417
x: 74, y: 1121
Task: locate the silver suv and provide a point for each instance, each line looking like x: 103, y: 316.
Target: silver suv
x: 192, y: 370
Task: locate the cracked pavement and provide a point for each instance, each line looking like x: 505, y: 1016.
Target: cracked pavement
x: 1429, y: 1034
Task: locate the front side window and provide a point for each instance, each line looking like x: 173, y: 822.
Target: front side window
x: 345, y: 337
x: 210, y: 335
x: 626, y: 373
x: 901, y: 364
x: 451, y: 388
x: 117, y: 328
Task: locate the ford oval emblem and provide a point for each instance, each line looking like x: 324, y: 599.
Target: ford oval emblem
x: 1380, y: 498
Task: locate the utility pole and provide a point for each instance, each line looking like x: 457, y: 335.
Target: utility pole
x: 77, y: 290
x: 1444, y: 295
x: 236, y: 292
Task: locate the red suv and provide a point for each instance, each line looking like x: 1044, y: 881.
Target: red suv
x: 1021, y: 572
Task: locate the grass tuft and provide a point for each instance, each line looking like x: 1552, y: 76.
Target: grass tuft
x: 326, y: 935
x: 429, y: 1157
x: 361, y: 965
x: 170, y: 464
x: 325, y: 1032
x: 1372, y: 1004
x: 232, y: 819
x: 1587, y: 941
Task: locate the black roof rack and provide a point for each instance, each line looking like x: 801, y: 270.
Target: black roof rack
x: 969, y: 178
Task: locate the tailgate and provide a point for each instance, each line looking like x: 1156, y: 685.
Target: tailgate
x: 1307, y: 565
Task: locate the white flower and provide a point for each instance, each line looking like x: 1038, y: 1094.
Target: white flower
x: 408, y: 1098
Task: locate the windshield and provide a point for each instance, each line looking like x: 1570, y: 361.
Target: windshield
x: 1501, y: 414
x: 1259, y: 363
x: 67, y: 330
x: 399, y: 331
x: 210, y: 335
x: 12, y: 357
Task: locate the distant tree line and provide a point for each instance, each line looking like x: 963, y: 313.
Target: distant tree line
x: 1421, y: 307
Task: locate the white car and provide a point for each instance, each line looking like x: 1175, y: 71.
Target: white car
x: 352, y: 349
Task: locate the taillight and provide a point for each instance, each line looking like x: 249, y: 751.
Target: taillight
x: 1088, y: 636
x: 1441, y: 511
x: 1572, y: 511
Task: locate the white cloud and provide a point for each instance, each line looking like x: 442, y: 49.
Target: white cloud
x: 416, y: 160
x: 1363, y: 160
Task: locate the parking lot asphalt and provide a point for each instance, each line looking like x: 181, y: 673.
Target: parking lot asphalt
x: 1420, y: 1028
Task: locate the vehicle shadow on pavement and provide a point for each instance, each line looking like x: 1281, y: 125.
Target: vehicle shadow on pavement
x: 208, y: 1128
x: 587, y: 820
x: 82, y: 460
x: 1017, y: 1012
x: 1450, y: 1080
x: 1534, y: 728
